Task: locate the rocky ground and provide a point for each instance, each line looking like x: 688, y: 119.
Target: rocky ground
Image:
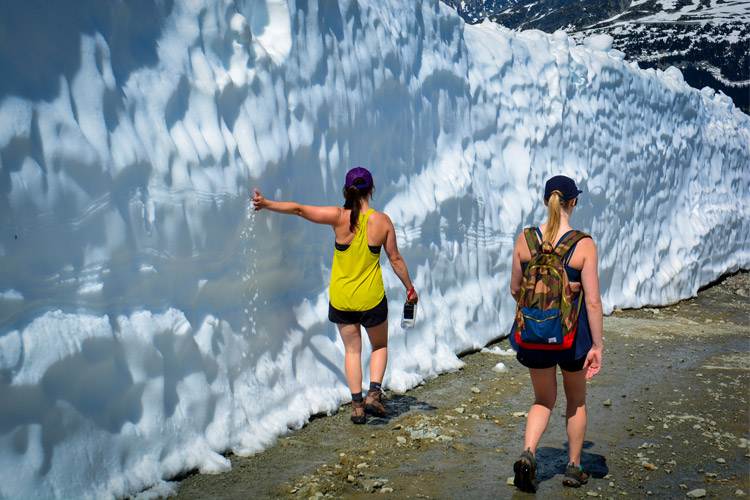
x: 668, y: 418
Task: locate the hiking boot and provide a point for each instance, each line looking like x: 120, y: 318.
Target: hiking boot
x: 574, y: 476
x: 525, y: 469
x: 374, y: 404
x: 358, y: 412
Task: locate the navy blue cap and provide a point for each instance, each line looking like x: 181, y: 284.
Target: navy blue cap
x: 564, y: 185
x: 359, y: 177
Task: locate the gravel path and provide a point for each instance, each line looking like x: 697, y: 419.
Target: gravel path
x: 668, y: 418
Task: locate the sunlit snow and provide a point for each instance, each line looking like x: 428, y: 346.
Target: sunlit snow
x: 672, y: 11
x: 150, y: 321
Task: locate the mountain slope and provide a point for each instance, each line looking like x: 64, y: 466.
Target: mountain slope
x: 708, y: 40
x: 475, y: 11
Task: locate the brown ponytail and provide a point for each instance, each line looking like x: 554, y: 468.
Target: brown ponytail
x: 353, y: 201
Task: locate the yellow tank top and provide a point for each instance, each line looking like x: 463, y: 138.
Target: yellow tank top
x: 356, y: 278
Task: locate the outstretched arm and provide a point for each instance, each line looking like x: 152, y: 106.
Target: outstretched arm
x: 320, y: 215
x: 397, y: 262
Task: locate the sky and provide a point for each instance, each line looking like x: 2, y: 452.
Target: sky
x: 151, y: 321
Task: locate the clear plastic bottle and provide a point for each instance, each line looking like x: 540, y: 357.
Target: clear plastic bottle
x: 409, y: 316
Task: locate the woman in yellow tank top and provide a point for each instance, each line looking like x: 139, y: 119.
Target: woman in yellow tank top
x: 357, y: 294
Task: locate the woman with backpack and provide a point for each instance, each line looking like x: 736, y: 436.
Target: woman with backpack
x: 357, y: 295
x: 577, y: 349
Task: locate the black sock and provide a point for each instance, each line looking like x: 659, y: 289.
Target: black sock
x: 357, y: 398
x: 374, y: 386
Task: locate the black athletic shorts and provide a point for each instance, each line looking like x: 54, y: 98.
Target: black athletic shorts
x: 569, y: 366
x: 368, y: 319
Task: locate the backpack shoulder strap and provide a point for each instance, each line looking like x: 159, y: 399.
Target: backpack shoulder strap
x: 568, y: 241
x: 531, y: 241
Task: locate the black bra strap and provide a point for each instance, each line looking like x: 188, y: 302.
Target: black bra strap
x: 373, y: 248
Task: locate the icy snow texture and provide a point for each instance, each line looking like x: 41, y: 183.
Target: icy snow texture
x: 149, y: 321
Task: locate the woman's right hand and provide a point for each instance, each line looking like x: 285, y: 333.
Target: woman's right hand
x: 411, y: 296
x: 258, y: 200
x: 593, y: 362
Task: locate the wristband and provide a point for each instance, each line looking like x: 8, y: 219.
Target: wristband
x: 408, y: 294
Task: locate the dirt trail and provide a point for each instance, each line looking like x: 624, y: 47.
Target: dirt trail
x: 668, y: 418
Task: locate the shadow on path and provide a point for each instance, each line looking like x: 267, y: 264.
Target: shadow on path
x: 552, y: 461
x: 397, y: 405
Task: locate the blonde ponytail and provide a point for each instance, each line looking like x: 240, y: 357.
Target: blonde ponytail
x: 553, y: 222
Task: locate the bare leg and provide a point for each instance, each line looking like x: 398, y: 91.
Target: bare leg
x: 544, y: 381
x: 379, y: 359
x: 352, y: 337
x: 574, y: 384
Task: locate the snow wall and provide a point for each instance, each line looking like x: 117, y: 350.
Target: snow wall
x: 149, y: 321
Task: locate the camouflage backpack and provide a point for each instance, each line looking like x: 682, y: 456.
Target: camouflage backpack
x: 545, y: 315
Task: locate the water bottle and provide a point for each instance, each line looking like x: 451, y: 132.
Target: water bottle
x: 409, y: 316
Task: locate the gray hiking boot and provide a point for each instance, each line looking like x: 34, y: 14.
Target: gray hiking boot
x: 525, y: 472
x: 574, y: 476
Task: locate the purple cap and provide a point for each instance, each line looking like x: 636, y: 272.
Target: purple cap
x: 359, y: 177
x: 565, y: 185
